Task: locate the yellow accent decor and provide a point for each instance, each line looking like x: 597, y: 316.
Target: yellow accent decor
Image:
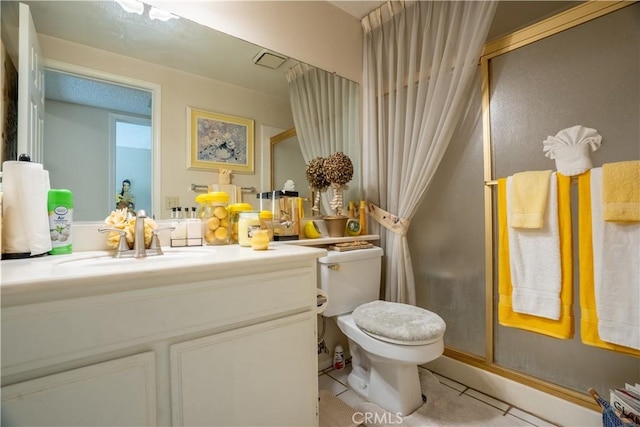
x: 528, y: 199
x: 621, y: 191
x: 562, y: 328
x: 588, y: 314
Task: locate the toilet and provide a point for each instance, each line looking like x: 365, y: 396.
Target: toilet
x: 387, y: 340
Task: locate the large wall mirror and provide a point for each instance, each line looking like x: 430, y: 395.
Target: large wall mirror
x: 287, y: 163
x: 167, y: 43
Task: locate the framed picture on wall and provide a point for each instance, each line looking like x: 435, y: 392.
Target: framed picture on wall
x: 219, y: 141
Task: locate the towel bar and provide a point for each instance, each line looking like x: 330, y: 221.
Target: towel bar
x: 199, y: 188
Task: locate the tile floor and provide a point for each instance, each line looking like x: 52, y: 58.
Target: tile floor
x: 336, y: 382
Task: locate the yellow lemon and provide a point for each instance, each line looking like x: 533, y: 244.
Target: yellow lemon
x: 213, y: 223
x: 209, y: 236
x: 311, y: 230
x: 220, y: 212
x: 221, y: 233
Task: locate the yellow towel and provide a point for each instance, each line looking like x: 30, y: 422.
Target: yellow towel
x: 621, y: 191
x: 563, y: 327
x: 528, y: 199
x: 588, y: 314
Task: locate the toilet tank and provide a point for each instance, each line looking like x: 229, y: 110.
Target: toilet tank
x: 350, y: 279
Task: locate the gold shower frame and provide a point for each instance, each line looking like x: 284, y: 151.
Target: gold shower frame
x: 560, y: 22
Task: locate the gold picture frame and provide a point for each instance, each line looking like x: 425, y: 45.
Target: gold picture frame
x: 219, y: 141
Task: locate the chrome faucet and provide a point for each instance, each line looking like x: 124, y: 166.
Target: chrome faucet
x: 139, y: 250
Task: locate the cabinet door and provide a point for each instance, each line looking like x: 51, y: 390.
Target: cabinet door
x: 263, y: 375
x: 120, y: 392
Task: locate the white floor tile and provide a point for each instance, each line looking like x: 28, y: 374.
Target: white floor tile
x: 351, y: 398
x: 488, y: 410
x: 532, y: 419
x: 325, y: 382
x: 487, y: 399
x: 341, y: 375
x: 450, y: 383
x: 515, y: 421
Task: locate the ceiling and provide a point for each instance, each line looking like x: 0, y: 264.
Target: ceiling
x: 184, y: 45
x: 510, y: 15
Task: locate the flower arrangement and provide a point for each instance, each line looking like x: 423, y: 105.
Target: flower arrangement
x: 122, y: 220
x: 338, y: 170
x: 317, y: 181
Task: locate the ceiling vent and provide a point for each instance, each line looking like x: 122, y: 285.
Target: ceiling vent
x: 269, y: 59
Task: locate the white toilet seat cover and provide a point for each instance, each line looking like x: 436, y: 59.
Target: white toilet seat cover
x: 399, y: 323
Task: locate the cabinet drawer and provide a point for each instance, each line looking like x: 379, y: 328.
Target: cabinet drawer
x: 42, y: 334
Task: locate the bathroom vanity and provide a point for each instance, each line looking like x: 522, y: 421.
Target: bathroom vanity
x: 202, y: 336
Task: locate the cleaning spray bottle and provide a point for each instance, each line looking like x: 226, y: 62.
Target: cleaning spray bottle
x: 338, y: 358
x: 60, y: 207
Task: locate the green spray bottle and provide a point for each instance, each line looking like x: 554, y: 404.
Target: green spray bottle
x: 60, y: 207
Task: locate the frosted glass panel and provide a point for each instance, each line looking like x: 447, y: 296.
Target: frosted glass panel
x: 588, y: 76
x: 446, y: 240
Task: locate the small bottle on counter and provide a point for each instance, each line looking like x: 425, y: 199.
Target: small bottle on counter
x: 60, y: 207
x: 363, y: 217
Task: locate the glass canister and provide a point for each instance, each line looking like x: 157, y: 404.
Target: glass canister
x: 201, y: 201
x: 285, y: 207
x: 248, y: 222
x: 266, y: 223
x: 215, y: 220
x: 234, y: 216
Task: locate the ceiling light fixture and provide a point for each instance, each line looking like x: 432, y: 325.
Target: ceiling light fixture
x: 161, y: 15
x: 137, y: 7
x: 132, y: 6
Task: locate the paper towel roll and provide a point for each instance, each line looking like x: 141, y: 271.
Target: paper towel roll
x: 322, y: 294
x: 25, y: 218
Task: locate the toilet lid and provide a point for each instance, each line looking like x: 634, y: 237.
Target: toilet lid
x: 399, y: 323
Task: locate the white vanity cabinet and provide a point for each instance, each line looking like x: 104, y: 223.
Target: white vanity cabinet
x: 221, y: 341
x: 119, y: 392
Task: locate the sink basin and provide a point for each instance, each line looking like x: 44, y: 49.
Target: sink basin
x: 104, y: 259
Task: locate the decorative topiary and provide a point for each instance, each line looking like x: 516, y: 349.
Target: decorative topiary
x: 338, y: 170
x: 317, y: 180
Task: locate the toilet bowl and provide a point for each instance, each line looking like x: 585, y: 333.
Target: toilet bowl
x: 387, y: 341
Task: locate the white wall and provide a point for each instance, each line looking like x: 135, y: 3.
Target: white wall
x: 179, y: 90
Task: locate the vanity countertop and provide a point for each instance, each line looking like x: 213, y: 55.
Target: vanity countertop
x: 96, y: 272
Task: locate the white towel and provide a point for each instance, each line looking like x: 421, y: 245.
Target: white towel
x: 616, y: 273
x: 536, y: 271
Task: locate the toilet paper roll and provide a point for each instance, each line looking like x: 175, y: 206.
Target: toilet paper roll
x: 25, y: 218
x: 321, y: 294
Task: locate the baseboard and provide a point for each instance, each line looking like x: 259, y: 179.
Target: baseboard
x: 539, y: 403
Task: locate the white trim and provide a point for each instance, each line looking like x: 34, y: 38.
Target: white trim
x: 539, y: 403
x: 155, y: 90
